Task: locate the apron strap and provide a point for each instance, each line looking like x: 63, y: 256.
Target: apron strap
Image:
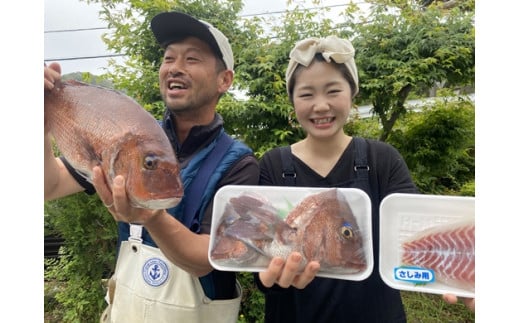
x: 361, y: 167
x: 288, y: 173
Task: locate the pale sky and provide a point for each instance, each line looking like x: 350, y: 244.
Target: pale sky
x: 60, y: 16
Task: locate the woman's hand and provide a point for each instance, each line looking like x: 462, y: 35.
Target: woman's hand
x: 288, y: 273
x: 452, y: 299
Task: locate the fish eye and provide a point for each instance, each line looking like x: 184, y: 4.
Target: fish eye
x: 150, y: 162
x: 346, y: 231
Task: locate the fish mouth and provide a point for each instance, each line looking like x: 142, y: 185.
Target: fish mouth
x: 157, y: 204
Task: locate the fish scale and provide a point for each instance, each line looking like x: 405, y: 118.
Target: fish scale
x: 96, y: 126
x: 449, y: 250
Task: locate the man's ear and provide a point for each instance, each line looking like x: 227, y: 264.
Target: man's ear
x: 225, y: 80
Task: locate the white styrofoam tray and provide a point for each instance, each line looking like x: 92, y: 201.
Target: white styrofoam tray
x: 404, y: 215
x: 285, y: 198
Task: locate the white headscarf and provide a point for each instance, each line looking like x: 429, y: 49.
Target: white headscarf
x: 340, y: 50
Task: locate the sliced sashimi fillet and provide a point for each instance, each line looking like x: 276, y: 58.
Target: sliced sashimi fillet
x: 448, y: 250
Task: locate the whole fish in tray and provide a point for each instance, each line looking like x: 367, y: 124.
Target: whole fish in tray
x: 321, y: 227
x: 93, y: 126
x: 448, y: 250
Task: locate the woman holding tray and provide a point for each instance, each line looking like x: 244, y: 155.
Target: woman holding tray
x: 322, y: 81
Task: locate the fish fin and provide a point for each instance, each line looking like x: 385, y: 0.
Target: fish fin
x: 85, y: 158
x: 255, y: 247
x: 118, y: 149
x: 75, y: 83
x: 85, y: 176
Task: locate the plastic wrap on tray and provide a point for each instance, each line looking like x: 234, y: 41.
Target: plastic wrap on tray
x: 252, y: 224
x: 428, y: 243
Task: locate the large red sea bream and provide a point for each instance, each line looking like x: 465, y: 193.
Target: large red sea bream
x: 94, y: 126
x: 448, y: 250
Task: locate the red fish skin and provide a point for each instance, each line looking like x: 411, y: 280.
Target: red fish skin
x: 320, y: 219
x: 312, y: 228
x: 96, y: 126
x: 449, y: 250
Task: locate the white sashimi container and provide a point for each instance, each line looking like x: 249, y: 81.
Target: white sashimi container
x: 405, y: 215
x: 285, y: 198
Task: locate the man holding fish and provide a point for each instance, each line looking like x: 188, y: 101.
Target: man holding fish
x: 162, y: 271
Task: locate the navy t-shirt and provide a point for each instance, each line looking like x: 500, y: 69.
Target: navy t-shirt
x: 334, y: 300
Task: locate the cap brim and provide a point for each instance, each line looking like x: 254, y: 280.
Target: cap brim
x: 173, y: 26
